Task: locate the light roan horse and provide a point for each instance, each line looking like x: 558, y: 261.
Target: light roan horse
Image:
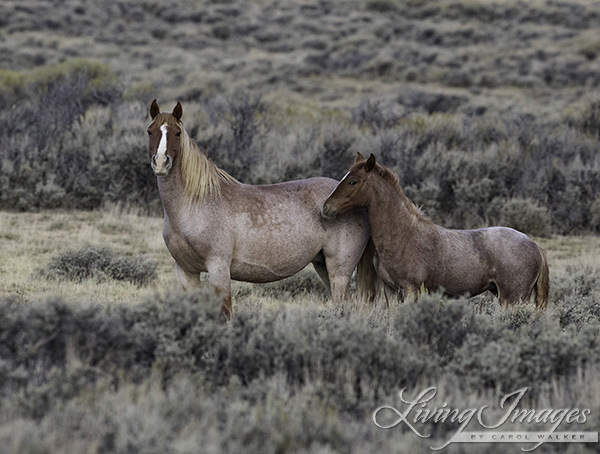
x: 413, y: 253
x: 215, y: 224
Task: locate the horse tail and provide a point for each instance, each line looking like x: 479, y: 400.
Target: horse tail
x: 542, y: 285
x: 366, y: 276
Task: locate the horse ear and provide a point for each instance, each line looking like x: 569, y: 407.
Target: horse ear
x: 370, y: 165
x: 359, y: 157
x: 154, y: 109
x: 178, y: 111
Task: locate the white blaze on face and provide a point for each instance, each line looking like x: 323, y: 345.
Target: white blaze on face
x: 341, y: 181
x: 161, y: 153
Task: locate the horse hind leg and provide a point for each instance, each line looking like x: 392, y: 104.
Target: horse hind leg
x: 321, y: 268
x: 518, y: 288
x: 338, y: 277
x: 505, y: 295
x: 510, y: 294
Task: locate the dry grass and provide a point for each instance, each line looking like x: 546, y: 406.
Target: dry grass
x: 29, y: 240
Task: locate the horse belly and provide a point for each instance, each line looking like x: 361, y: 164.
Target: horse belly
x: 471, y: 284
x: 463, y: 270
x: 261, y: 268
x: 273, y: 255
x: 260, y: 272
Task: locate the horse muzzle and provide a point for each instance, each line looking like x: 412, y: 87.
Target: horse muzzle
x: 161, y: 165
x: 328, y: 212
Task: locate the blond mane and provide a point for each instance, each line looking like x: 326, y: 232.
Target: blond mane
x: 201, y: 177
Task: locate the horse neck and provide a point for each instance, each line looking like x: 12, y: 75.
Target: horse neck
x: 392, y: 215
x: 172, y: 193
x: 179, y: 203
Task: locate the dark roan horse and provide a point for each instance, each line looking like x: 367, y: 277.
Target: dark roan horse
x: 414, y: 254
x: 215, y: 224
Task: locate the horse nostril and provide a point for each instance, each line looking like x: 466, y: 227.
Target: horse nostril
x: 154, y: 159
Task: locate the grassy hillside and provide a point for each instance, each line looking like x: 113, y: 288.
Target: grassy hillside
x: 329, y: 51
x: 487, y: 110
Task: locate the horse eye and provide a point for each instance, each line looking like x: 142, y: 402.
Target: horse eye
x: 149, y: 132
x: 352, y: 183
x: 178, y: 133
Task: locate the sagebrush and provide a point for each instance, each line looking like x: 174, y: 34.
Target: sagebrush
x: 99, y: 264
x: 165, y: 373
x: 485, y: 125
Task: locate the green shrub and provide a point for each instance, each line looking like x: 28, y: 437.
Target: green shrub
x: 526, y: 216
x: 336, y: 157
x: 595, y: 215
x: 242, y: 113
x: 531, y: 355
x: 375, y: 115
x: 381, y: 6
x: 589, y: 119
x: 438, y: 326
x: 87, y: 147
x: 99, y: 264
x: 36, y: 148
x: 577, y: 311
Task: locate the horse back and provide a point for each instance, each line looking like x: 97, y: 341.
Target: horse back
x: 504, y: 242
x: 311, y: 190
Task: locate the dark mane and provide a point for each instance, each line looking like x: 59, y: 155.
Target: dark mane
x: 393, y: 179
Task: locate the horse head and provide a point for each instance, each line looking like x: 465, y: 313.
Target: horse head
x: 351, y: 192
x: 164, y: 138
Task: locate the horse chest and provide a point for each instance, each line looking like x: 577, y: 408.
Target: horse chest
x: 188, y: 250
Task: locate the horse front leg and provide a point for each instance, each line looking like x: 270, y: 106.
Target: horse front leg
x: 340, y: 287
x: 219, y: 276
x: 188, y: 280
